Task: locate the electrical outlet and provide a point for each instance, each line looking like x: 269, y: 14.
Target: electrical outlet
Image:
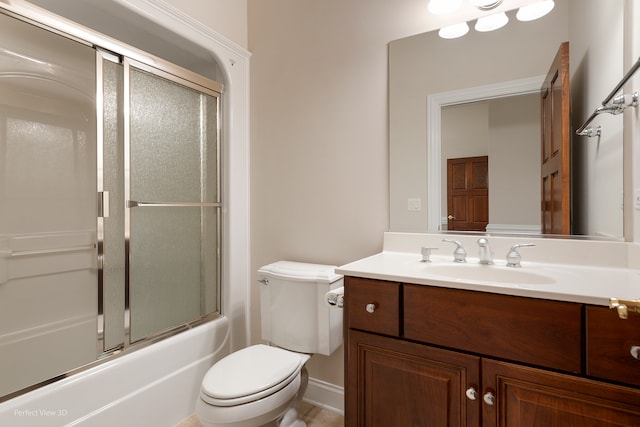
x: 414, y: 204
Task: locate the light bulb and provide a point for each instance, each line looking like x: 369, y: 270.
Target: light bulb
x: 535, y: 10
x: 491, y: 22
x: 454, y: 31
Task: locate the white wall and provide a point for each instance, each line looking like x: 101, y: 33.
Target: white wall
x: 514, y: 159
x: 597, y: 43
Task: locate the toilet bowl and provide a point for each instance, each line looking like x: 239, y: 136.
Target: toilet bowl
x: 262, y: 385
x: 251, y: 387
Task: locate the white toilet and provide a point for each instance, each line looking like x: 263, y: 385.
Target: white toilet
x: 262, y: 385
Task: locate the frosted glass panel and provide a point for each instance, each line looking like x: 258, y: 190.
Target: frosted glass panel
x: 113, y: 286
x: 167, y: 283
x: 173, y: 270
x: 48, y: 280
x: 169, y: 141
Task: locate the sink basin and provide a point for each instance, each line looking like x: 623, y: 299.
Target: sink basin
x: 488, y: 273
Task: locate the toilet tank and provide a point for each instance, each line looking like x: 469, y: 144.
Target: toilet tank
x: 293, y: 310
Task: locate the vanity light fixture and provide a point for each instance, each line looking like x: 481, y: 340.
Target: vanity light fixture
x: 535, y: 10
x: 529, y: 12
x: 491, y: 22
x: 485, y: 4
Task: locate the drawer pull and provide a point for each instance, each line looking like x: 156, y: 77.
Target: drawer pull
x: 489, y: 398
x: 371, y: 307
x: 635, y: 352
x: 471, y: 393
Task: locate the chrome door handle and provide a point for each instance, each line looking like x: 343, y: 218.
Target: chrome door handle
x: 141, y: 204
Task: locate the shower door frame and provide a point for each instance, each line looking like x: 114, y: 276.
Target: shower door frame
x: 186, y: 78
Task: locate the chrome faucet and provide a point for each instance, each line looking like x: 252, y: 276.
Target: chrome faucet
x: 486, y: 255
x: 513, y: 256
x: 459, y: 254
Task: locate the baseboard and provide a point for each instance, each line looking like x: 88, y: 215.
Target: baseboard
x: 514, y: 228
x: 325, y: 395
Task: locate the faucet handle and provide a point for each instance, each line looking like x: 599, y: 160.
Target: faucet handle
x: 426, y: 253
x: 459, y: 254
x: 513, y: 256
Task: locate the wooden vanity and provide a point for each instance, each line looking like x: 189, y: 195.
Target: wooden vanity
x: 430, y: 356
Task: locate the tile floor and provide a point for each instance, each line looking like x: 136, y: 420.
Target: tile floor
x: 312, y: 415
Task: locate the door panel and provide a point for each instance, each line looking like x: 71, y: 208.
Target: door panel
x: 528, y: 397
x: 556, y: 146
x: 173, y: 202
x: 406, y: 384
x: 468, y: 193
x: 48, y: 280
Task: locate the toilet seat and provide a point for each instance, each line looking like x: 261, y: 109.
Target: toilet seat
x: 250, y: 374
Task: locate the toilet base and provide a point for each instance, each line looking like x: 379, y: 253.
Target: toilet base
x: 290, y: 418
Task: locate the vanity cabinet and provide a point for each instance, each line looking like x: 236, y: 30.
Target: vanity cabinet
x: 428, y: 356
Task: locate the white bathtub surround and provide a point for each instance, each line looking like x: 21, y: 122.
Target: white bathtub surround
x: 155, y: 386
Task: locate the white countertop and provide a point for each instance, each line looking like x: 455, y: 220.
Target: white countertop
x: 562, y: 282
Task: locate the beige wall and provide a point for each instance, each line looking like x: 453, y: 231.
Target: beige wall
x: 319, y: 134
x: 227, y: 17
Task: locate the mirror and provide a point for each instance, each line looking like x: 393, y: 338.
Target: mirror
x: 429, y: 75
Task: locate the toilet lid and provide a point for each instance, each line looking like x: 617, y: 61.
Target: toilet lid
x: 250, y: 371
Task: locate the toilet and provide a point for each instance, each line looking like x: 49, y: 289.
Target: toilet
x: 263, y: 385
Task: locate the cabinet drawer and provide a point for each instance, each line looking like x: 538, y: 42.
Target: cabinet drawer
x: 609, y: 343
x: 539, y: 332
x: 382, y: 300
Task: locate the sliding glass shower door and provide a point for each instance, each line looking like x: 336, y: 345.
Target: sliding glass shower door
x: 110, y: 202
x: 173, y: 200
x: 48, y: 280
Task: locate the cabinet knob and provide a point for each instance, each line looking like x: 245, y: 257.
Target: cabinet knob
x: 371, y: 307
x: 635, y: 352
x: 489, y: 398
x: 471, y: 393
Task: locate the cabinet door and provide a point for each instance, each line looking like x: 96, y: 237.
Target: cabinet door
x: 397, y: 383
x: 528, y: 397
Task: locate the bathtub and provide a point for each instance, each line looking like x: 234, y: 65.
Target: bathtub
x: 154, y: 386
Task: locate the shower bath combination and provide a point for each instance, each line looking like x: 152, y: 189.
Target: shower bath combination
x: 86, y: 120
